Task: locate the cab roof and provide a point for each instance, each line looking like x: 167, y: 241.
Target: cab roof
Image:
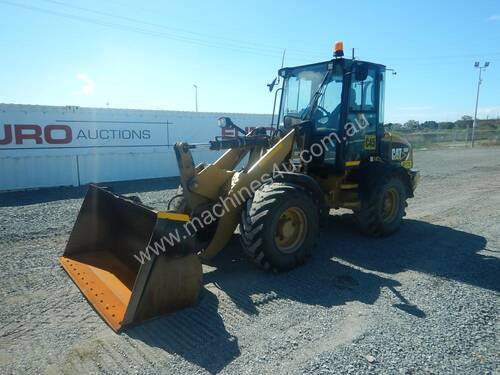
x: 346, y: 62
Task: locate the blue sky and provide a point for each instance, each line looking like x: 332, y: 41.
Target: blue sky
x: 149, y: 54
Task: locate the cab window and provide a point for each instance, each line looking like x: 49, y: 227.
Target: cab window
x: 362, y: 96
x: 327, y: 112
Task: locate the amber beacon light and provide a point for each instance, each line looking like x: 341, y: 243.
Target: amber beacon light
x: 339, y: 49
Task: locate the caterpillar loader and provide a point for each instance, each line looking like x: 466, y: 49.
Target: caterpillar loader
x: 328, y: 150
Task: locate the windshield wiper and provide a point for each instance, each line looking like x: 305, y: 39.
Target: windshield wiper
x: 315, y: 97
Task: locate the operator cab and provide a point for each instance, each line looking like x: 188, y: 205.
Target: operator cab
x: 338, y: 104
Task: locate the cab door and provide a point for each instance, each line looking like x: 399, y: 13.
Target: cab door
x: 363, y: 128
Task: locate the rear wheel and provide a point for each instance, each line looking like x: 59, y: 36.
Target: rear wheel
x: 383, y: 202
x: 279, y: 226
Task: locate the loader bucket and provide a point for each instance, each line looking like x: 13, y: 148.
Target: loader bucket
x: 103, y: 256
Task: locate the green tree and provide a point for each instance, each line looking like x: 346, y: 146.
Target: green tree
x: 464, y: 123
x: 429, y: 125
x: 412, y: 125
x: 446, y: 125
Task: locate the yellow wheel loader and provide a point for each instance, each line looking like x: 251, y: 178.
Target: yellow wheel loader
x: 328, y: 150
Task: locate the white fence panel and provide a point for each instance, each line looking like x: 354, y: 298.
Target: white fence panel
x: 37, y: 171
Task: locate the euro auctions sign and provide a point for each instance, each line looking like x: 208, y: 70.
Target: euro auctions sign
x: 82, y: 134
x: 27, y: 129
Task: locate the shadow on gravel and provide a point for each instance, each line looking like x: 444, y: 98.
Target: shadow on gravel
x: 199, y: 334
x: 321, y: 281
x: 44, y: 195
x: 418, y: 246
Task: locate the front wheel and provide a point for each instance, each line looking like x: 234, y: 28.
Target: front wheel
x: 383, y: 202
x: 279, y: 226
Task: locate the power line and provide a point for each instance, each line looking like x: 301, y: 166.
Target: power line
x: 468, y: 55
x: 246, y: 49
x: 224, y: 43
x: 111, y: 25
x: 198, y: 34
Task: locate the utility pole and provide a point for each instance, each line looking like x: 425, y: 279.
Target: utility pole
x: 196, y: 97
x: 479, y: 81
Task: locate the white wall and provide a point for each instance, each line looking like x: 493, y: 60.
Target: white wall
x: 20, y: 172
x: 115, y: 155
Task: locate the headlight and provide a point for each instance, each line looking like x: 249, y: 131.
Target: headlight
x: 222, y: 122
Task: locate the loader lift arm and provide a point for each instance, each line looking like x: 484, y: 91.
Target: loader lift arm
x: 207, y: 186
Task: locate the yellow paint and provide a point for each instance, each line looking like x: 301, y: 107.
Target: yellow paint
x: 229, y: 221
x: 352, y: 163
x: 172, y: 216
x: 210, y: 180
x: 349, y: 186
x: 407, y: 164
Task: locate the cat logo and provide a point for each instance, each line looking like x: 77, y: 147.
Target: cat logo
x: 400, y: 153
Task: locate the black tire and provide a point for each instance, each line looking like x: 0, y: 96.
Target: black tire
x: 373, y: 217
x: 260, y: 218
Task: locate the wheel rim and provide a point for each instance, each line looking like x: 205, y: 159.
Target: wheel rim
x: 390, y: 205
x: 290, y: 230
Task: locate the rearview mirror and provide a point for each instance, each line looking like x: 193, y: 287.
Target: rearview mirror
x: 272, y: 84
x: 226, y: 122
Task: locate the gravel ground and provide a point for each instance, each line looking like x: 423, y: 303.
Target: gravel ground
x: 424, y: 300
